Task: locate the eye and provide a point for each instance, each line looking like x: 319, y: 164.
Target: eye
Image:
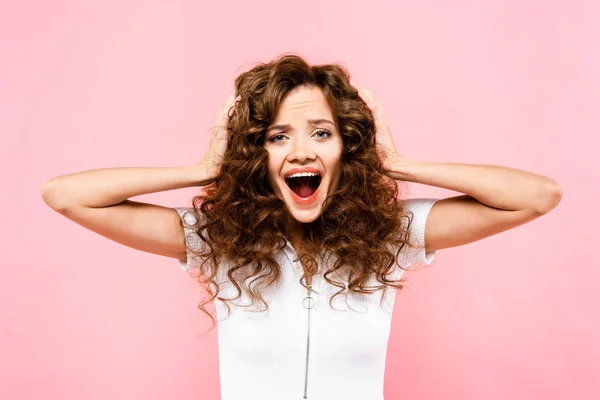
x: 323, y: 131
x: 273, y: 138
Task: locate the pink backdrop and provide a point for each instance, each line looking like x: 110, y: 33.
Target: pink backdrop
x: 138, y: 83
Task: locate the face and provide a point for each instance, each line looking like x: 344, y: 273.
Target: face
x: 305, y: 152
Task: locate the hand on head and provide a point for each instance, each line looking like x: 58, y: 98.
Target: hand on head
x: 384, y: 139
x: 220, y: 137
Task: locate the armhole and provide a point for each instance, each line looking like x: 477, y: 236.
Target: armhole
x: 416, y: 254
x: 193, y: 242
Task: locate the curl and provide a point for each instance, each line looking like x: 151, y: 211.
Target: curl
x: 243, y: 222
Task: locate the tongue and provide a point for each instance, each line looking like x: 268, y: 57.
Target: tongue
x: 303, y: 188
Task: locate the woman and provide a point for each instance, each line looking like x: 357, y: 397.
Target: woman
x: 301, y: 204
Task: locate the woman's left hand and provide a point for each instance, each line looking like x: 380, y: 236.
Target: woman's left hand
x: 385, y: 142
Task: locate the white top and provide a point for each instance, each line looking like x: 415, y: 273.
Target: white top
x: 263, y: 355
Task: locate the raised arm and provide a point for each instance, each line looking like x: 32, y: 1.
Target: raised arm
x: 495, y: 198
x: 99, y: 199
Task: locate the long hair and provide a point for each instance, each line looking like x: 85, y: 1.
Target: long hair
x: 242, y: 221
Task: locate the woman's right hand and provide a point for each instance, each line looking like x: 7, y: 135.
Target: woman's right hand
x: 211, y: 162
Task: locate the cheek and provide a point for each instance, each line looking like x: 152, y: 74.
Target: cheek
x: 337, y: 175
x: 334, y: 160
x: 335, y: 165
x: 337, y: 154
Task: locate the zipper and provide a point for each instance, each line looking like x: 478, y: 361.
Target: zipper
x: 308, y: 303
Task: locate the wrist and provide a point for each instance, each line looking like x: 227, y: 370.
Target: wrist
x: 202, y: 172
x: 401, y: 168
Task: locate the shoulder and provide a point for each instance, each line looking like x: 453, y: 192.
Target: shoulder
x: 419, y: 205
x: 418, y: 210
x: 415, y: 251
x: 189, y: 216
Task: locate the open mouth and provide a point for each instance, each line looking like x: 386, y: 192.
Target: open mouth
x: 304, y: 186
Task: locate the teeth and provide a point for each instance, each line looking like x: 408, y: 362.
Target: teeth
x: 299, y: 174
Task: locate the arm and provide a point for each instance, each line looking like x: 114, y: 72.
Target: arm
x: 97, y: 200
x: 496, y: 199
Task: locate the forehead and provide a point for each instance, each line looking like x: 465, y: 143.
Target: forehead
x: 303, y: 103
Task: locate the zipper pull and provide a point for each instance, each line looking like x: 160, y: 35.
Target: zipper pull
x: 310, y: 304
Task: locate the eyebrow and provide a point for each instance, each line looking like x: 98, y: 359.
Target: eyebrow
x: 310, y: 121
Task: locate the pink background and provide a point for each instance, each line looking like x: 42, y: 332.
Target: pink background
x: 138, y: 83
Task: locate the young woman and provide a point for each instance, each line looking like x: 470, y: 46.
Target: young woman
x: 301, y: 204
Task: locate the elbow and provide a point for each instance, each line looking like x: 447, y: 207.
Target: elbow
x: 51, y: 194
x: 550, y: 197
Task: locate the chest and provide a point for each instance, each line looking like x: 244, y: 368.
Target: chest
x: 286, y: 322
x: 305, y: 344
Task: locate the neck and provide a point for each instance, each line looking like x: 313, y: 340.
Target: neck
x: 294, y: 231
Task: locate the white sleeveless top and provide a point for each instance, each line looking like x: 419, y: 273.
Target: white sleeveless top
x: 302, y: 347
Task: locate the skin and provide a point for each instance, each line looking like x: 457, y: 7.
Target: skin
x: 495, y: 198
x: 294, y: 141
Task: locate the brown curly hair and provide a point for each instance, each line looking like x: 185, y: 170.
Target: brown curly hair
x: 241, y: 219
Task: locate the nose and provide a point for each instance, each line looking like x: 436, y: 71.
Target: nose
x: 301, y: 150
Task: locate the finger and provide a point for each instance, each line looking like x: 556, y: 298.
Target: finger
x: 233, y: 104
x: 368, y: 97
x: 228, y: 102
x: 232, y: 101
x: 359, y: 89
x: 226, y: 108
x: 362, y: 93
x: 365, y: 94
x: 373, y: 102
x: 222, y: 108
x: 371, y: 96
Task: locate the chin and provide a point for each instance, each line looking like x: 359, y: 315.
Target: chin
x: 304, y: 216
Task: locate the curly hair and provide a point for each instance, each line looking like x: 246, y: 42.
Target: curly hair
x: 242, y: 221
